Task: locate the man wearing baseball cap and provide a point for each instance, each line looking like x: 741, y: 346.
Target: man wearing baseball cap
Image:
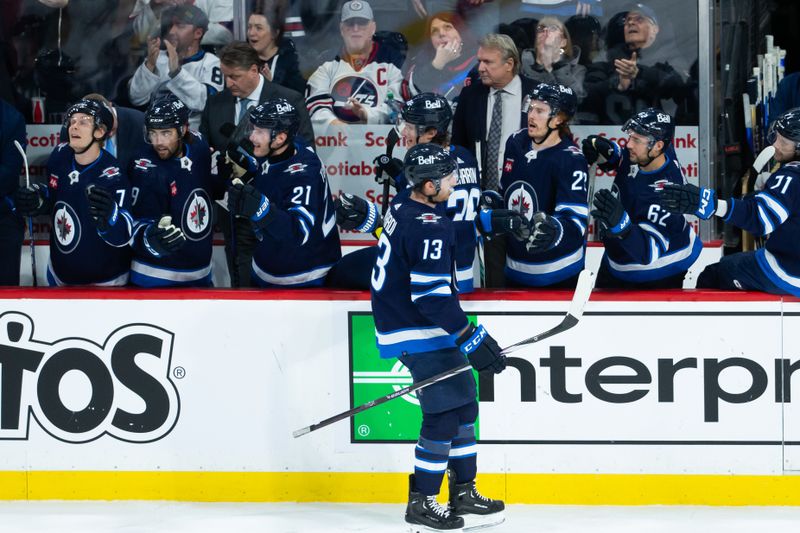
x: 183, y: 68
x: 353, y: 87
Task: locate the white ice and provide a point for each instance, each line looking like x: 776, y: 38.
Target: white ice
x: 158, y: 517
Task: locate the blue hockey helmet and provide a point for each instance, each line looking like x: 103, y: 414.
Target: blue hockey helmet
x: 428, y: 110
x: 788, y: 125
x: 166, y: 112
x: 653, y: 123
x: 276, y: 115
x: 428, y: 162
x: 100, y: 111
x: 558, y: 97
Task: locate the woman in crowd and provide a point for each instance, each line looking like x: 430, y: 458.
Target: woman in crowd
x: 554, y: 60
x: 443, y: 66
x: 265, y: 34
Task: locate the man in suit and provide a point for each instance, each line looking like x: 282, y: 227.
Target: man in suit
x: 126, y: 136
x: 245, y: 87
x: 488, y: 113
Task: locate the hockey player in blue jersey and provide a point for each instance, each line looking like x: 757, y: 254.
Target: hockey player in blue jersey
x: 418, y: 319
x: 426, y: 118
x: 545, y: 179
x: 88, y: 197
x: 289, y: 204
x: 773, y: 212
x: 647, y: 247
x: 172, y: 191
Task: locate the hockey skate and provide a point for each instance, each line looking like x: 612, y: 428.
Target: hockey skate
x: 424, y: 513
x: 477, y: 510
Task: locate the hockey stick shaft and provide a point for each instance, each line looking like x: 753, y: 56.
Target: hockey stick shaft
x: 391, y: 141
x: 21, y: 151
x: 582, y: 292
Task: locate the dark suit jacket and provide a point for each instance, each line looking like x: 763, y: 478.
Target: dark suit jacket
x: 221, y: 107
x: 130, y: 135
x: 469, y: 122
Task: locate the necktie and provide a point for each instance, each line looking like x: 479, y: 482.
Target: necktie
x: 243, y: 107
x: 490, y: 172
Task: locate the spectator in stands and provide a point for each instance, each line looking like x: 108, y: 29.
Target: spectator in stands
x: 245, y: 88
x: 12, y: 228
x: 353, y: 87
x: 265, y: 34
x: 638, y: 74
x: 146, y: 17
x: 586, y: 32
x: 183, y: 68
x: 554, y: 60
x: 126, y: 134
x: 443, y: 66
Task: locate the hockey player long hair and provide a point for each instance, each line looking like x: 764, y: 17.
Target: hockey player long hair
x: 563, y: 104
x: 102, y: 115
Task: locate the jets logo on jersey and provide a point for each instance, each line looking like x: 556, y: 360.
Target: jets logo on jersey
x: 143, y: 164
x: 509, y: 165
x: 53, y: 181
x: 67, y: 227
x: 521, y: 197
x: 658, y: 185
x: 110, y: 172
x: 294, y: 168
x: 360, y: 89
x: 197, y: 215
x: 429, y: 218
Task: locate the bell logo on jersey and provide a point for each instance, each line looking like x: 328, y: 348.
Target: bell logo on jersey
x: 125, y: 388
x: 67, y: 227
x: 197, y: 215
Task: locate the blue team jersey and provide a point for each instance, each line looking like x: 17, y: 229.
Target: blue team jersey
x: 79, y: 253
x: 182, y: 188
x: 552, y: 180
x: 660, y: 244
x: 775, y: 213
x: 414, y: 298
x: 301, y: 243
x: 462, y: 207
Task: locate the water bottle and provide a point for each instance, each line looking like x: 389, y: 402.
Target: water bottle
x: 394, y: 107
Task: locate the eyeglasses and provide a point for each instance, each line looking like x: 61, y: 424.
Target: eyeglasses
x: 635, y: 19
x: 549, y: 29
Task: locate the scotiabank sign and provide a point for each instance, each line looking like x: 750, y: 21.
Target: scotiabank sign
x: 78, y: 389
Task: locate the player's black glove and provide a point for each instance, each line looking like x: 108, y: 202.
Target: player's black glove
x: 355, y: 213
x: 491, y: 200
x: 547, y: 233
x: 481, y: 349
x: 494, y: 222
x: 239, y: 156
x: 163, y: 238
x: 600, y: 149
x: 388, y: 168
x: 246, y: 201
x: 689, y: 199
x: 610, y: 215
x: 30, y: 200
x: 103, y: 207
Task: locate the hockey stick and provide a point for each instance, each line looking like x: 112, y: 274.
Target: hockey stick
x: 391, y: 141
x: 755, y: 169
x: 582, y: 292
x: 30, y: 218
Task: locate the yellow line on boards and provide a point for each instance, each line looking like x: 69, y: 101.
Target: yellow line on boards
x: 564, y: 489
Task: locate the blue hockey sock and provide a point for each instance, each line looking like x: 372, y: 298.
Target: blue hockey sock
x: 430, y: 463
x: 464, y: 454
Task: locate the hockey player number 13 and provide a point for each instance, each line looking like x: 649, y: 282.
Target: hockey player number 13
x: 379, y: 270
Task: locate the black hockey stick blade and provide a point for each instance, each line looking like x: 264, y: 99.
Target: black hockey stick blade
x: 582, y: 292
x: 391, y: 142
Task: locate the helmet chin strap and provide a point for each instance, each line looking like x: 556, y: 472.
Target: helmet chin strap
x: 94, y: 140
x: 550, y: 130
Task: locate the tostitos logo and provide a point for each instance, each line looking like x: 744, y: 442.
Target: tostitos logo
x: 522, y: 198
x: 196, y: 215
x: 66, y: 227
x: 362, y: 90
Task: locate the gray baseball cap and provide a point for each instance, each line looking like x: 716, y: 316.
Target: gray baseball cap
x: 356, y: 9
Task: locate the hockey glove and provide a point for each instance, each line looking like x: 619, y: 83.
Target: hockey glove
x: 246, y: 201
x: 491, y: 200
x: 164, y: 238
x: 547, y: 233
x: 610, y: 215
x: 481, y: 349
x: 689, y: 199
x: 600, y: 149
x: 388, y: 168
x: 103, y: 207
x: 355, y: 213
x: 30, y: 200
x: 494, y: 222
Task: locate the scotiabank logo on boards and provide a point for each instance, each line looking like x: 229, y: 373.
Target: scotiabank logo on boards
x: 78, y: 390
